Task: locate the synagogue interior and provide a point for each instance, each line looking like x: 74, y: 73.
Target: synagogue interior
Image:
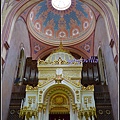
x: 59, y: 60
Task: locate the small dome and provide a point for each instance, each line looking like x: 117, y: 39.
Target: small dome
x: 58, y: 54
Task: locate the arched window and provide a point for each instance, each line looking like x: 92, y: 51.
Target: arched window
x: 102, y: 68
x: 21, y: 66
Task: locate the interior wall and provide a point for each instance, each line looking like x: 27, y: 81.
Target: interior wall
x: 19, y: 37
x: 101, y: 40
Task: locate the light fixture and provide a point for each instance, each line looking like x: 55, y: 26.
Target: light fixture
x: 61, y: 4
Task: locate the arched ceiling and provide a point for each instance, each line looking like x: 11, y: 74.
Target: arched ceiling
x: 72, y: 25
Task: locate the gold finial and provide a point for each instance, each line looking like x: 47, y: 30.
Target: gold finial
x: 61, y: 45
x: 61, y: 49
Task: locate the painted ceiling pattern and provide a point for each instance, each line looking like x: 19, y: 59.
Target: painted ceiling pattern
x: 85, y: 47
x: 50, y: 25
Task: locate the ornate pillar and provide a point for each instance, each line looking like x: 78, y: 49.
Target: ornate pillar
x: 46, y: 113
x: 77, y: 115
x: 40, y: 108
x: 43, y: 112
x: 75, y: 112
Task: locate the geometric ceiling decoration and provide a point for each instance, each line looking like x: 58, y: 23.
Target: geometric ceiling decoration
x: 39, y: 48
x: 86, y: 47
x: 70, y: 22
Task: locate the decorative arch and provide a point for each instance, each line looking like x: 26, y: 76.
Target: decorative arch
x: 76, y: 51
x: 58, y: 89
x: 59, y: 103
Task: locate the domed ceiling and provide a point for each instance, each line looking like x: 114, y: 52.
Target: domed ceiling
x: 50, y: 22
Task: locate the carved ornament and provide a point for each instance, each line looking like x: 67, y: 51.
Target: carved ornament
x: 89, y: 87
x: 31, y: 88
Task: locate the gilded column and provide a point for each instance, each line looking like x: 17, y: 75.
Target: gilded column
x: 77, y: 111
x: 40, y: 107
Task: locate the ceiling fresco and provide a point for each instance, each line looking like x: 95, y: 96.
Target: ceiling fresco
x: 50, y: 25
